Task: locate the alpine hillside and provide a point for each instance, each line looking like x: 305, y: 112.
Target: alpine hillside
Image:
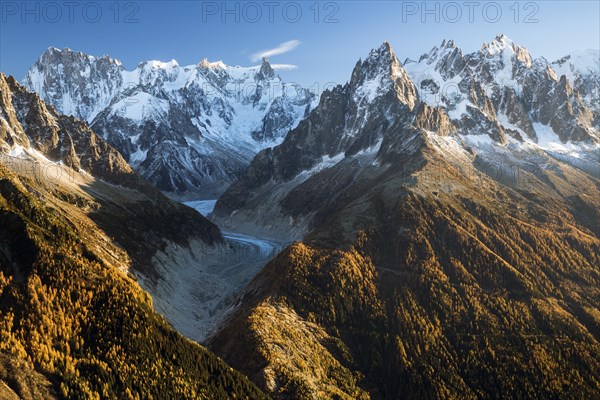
x: 446, y: 213
x: 77, y: 226
x: 498, y: 104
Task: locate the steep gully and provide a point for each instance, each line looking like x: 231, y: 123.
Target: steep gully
x: 198, y: 287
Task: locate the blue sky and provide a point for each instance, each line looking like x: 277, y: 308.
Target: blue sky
x: 323, y: 39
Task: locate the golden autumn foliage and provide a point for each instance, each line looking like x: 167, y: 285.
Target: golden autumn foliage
x: 85, y: 325
x: 441, y: 300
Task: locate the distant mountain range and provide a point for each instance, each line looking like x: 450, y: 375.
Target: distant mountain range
x: 444, y: 214
x: 193, y: 130
x: 188, y: 130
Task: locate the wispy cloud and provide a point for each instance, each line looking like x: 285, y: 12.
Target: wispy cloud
x: 284, y: 66
x: 281, y: 49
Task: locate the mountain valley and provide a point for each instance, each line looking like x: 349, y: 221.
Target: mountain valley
x: 428, y: 230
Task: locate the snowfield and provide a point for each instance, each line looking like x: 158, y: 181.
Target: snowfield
x: 184, y: 128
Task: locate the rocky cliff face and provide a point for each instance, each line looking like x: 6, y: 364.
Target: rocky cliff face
x: 29, y: 123
x: 502, y: 89
x: 582, y: 70
x: 496, y: 99
x: 56, y: 149
x: 448, y: 249
x: 78, y: 227
x: 191, y: 128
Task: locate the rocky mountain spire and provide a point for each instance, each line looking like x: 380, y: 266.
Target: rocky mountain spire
x: 504, y: 45
x: 266, y: 71
x: 381, y: 72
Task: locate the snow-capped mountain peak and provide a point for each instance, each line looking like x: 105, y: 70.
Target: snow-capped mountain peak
x: 448, y: 43
x: 499, y: 44
x: 205, y: 64
x: 437, y: 52
x: 507, y: 48
x: 379, y: 73
x: 155, y: 64
x: 68, y: 55
x: 376, y: 65
x: 75, y: 83
x: 266, y: 70
x: 501, y: 91
x: 183, y: 127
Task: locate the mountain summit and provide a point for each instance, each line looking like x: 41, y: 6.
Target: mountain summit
x: 489, y: 103
x: 186, y: 129
x: 382, y: 71
x: 445, y: 218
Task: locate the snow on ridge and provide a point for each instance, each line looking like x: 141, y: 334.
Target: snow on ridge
x: 548, y: 140
x: 163, y: 65
x: 579, y: 60
x: 503, y: 120
x: 500, y: 44
x: 325, y: 162
x: 139, y: 107
x: 579, y: 63
x: 370, y: 89
x: 422, y: 73
x: 478, y: 140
